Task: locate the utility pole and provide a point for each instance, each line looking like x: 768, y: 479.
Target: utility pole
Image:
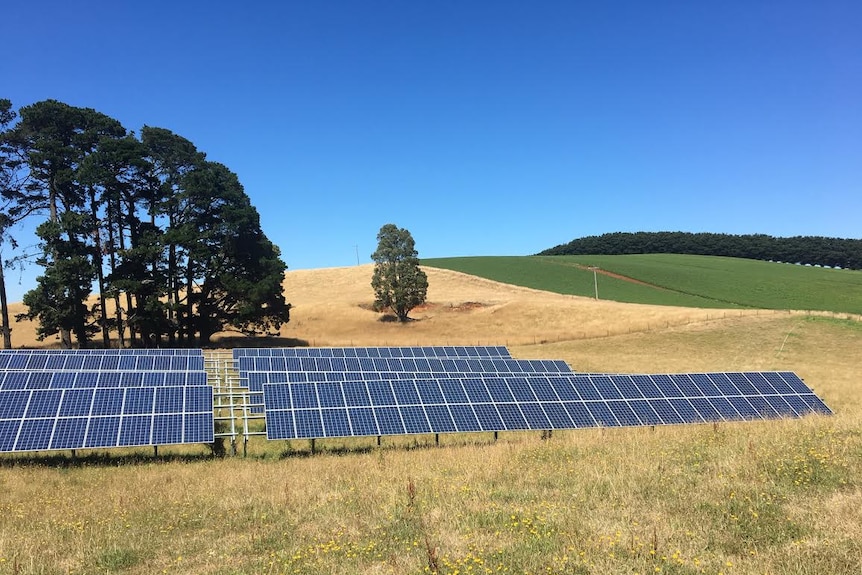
x: 596, y: 281
x: 356, y: 247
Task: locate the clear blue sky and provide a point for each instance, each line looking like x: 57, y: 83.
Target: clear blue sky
x: 484, y: 128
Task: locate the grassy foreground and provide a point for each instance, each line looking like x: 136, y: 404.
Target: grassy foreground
x: 775, y: 497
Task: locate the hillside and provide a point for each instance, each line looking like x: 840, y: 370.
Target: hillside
x: 332, y: 307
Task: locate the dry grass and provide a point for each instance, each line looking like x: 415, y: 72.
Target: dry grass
x: 775, y: 497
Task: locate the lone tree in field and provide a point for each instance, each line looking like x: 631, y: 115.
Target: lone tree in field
x: 398, y: 282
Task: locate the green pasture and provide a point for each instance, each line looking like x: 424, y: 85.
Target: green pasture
x: 669, y: 279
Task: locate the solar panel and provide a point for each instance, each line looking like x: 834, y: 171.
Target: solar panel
x: 48, y: 419
x: 520, y: 402
x: 99, y: 362
x: 494, y: 351
x: 86, y: 379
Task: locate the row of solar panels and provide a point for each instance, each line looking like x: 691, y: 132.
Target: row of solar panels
x: 160, y: 351
x: 89, y: 398
x: 505, y: 389
x: 100, y: 362
x: 78, y: 379
x: 434, y: 365
x: 450, y: 405
x: 44, y: 419
x: 448, y: 351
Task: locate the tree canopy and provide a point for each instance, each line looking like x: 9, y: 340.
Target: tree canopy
x: 813, y: 250
x: 170, y: 238
x: 399, y: 284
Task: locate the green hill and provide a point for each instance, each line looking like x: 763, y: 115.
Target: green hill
x: 670, y: 279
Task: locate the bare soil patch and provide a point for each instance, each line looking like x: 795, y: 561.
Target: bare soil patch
x: 620, y: 277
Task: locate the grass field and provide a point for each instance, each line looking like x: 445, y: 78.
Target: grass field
x: 781, y: 497
x: 668, y: 279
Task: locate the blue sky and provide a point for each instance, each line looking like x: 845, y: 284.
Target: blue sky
x: 484, y: 128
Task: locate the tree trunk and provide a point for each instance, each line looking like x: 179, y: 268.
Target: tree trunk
x: 190, y: 312
x: 112, y: 259
x: 100, y: 275
x: 4, y: 311
x: 65, y: 334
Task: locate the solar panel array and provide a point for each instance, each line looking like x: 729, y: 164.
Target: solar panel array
x: 447, y: 351
x: 77, y: 379
x: 505, y: 403
x: 111, y: 351
x: 100, y: 362
x: 43, y: 419
x: 75, y: 399
x: 414, y: 365
x: 345, y: 364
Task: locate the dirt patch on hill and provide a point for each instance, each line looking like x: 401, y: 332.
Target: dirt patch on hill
x: 619, y: 277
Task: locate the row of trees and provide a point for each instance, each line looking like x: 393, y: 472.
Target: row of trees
x: 169, y: 238
x: 813, y: 250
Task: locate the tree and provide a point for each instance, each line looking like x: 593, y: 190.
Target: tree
x: 398, y: 283
x: 10, y: 182
x: 56, y: 139
x: 234, y: 272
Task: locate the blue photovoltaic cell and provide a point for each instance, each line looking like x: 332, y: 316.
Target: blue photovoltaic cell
x: 602, y: 414
x: 389, y: 421
x: 69, y: 433
x: 335, y: 422
x: 102, y: 432
x: 13, y: 404
x: 381, y: 393
x: 77, y: 402
x: 167, y: 429
x: 464, y: 417
x: 406, y: 394
x: 199, y: 427
x: 488, y: 416
x: 440, y: 418
x: 135, y: 430
x: 414, y: 419
x: 362, y: 421
x: 476, y: 390
x: 535, y: 416
x: 308, y: 423
x: 279, y: 425
x: 43, y: 403
x: 9, y: 433
x: 35, y: 434
x: 624, y: 413
x: 496, y: 402
x: 429, y: 391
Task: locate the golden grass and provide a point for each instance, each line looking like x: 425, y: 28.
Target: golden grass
x: 779, y: 497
